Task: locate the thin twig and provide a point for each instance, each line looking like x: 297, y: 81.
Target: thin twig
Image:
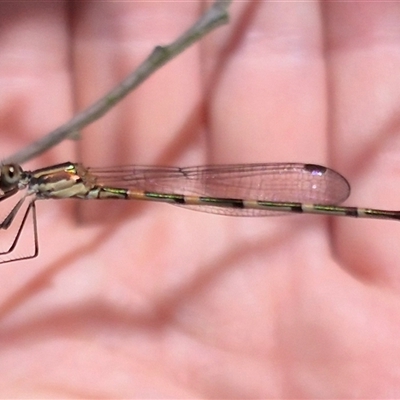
x: 215, y: 16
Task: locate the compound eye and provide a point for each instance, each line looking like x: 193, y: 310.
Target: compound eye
x: 10, y: 175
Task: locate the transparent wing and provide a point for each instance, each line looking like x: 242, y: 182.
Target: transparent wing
x: 275, y: 182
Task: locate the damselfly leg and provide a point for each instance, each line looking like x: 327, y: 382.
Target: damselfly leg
x: 8, y: 223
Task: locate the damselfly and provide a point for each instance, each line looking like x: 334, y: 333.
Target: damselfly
x: 236, y: 190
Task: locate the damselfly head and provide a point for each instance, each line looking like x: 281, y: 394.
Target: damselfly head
x: 10, y: 177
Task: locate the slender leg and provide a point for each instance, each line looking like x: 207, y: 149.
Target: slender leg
x: 6, y: 223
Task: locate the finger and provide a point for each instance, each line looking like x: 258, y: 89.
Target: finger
x: 268, y: 87
x: 365, y: 108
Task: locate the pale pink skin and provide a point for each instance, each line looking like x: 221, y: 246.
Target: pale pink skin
x: 149, y: 300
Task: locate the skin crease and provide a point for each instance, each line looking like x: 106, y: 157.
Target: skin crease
x: 153, y: 301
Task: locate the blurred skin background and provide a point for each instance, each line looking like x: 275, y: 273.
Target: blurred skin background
x: 148, y: 300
